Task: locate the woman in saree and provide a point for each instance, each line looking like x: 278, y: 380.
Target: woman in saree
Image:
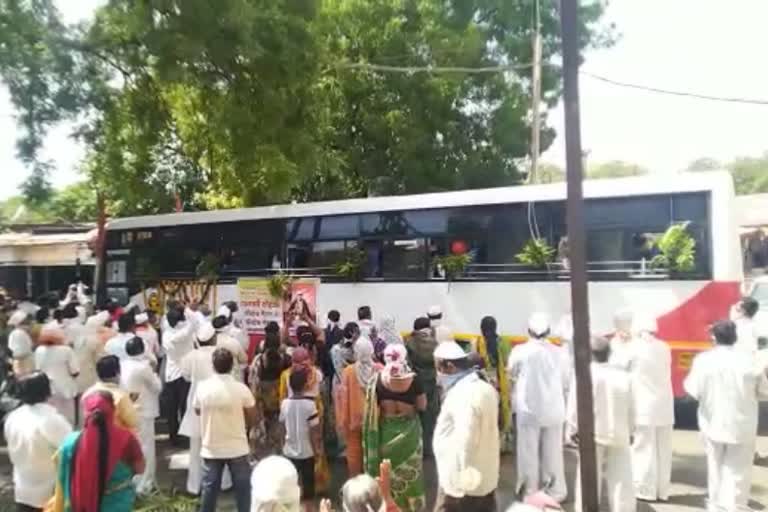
x: 264, y: 378
x: 392, y: 429
x: 96, y: 465
x: 303, y: 359
x: 421, y: 347
x: 355, y: 380
x: 494, y: 352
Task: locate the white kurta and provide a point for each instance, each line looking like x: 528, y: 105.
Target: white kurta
x: 58, y: 362
x: 33, y: 434
x: 726, y: 384
x: 613, y: 413
x: 466, y: 440
x: 650, y: 364
x: 178, y: 342
x: 746, y: 333
x: 21, y: 346
x: 195, y: 368
x: 137, y: 377
x: 88, y: 349
x: 540, y: 373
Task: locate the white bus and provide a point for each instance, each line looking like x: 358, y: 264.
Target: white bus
x: 400, y: 237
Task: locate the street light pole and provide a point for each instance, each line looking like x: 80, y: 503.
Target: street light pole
x: 577, y: 247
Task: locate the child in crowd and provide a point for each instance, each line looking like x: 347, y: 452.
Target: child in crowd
x: 302, y: 433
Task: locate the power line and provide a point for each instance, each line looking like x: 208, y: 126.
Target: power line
x: 431, y: 69
x: 686, y: 94
x: 513, y: 67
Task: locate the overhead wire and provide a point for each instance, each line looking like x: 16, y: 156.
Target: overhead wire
x: 523, y: 66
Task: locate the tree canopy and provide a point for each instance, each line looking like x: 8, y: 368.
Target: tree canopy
x: 750, y: 174
x: 246, y: 102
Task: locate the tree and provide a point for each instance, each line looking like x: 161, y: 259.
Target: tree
x: 615, y: 169
x: 244, y: 102
x: 750, y: 174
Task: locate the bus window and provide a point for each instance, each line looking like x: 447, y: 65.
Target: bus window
x: 404, y: 259
x: 339, y: 227
x: 325, y: 255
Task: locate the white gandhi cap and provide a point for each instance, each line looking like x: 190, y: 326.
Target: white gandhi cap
x: 142, y: 318
x: 205, y: 332
x: 449, y: 351
x: 539, y: 324
x: 435, y: 311
x: 17, y: 318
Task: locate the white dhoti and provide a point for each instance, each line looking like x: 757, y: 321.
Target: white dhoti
x: 540, y: 460
x: 652, y: 462
x: 145, y: 482
x: 615, y: 470
x: 729, y: 474
x: 195, y: 470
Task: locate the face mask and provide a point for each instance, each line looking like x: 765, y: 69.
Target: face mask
x: 447, y: 380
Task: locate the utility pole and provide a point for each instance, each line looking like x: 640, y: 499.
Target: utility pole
x: 577, y: 246
x: 535, y: 96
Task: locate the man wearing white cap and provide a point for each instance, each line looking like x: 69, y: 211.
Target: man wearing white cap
x: 138, y: 379
x: 146, y: 332
x: 195, y: 367
x: 441, y: 331
x: 650, y: 367
x: 20, y: 343
x: 612, y: 403
x: 540, y: 373
x: 224, y: 340
x: 622, y: 337
x: 232, y: 330
x: 466, y: 442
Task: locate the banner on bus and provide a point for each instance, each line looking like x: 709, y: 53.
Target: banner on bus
x: 259, y: 307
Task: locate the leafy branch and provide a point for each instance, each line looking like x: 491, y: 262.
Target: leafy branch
x: 536, y: 253
x: 678, y: 250
x: 454, y: 265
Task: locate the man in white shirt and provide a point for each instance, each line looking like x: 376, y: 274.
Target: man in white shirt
x: 34, y: 432
x: 225, y: 340
x: 743, y: 315
x: 196, y: 367
x: 650, y: 369
x: 226, y: 407
x: 466, y: 440
x: 58, y: 362
x: 20, y: 343
x: 146, y: 332
x: 727, y: 387
x: 178, y: 341
x: 90, y: 350
x: 441, y: 331
x: 138, y: 379
x: 540, y: 373
x: 622, y: 337
x: 612, y: 402
x: 365, y: 322
x: 126, y: 327
x: 228, y: 311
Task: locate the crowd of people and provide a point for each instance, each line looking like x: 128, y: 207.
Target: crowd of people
x: 90, y: 382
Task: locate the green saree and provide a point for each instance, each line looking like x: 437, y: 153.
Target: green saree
x: 119, y: 495
x: 399, y: 440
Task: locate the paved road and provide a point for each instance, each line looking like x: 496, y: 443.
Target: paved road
x: 688, y: 492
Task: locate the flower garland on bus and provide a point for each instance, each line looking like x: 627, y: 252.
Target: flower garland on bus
x: 189, y: 291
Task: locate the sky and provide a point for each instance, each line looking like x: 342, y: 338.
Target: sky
x: 712, y: 47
